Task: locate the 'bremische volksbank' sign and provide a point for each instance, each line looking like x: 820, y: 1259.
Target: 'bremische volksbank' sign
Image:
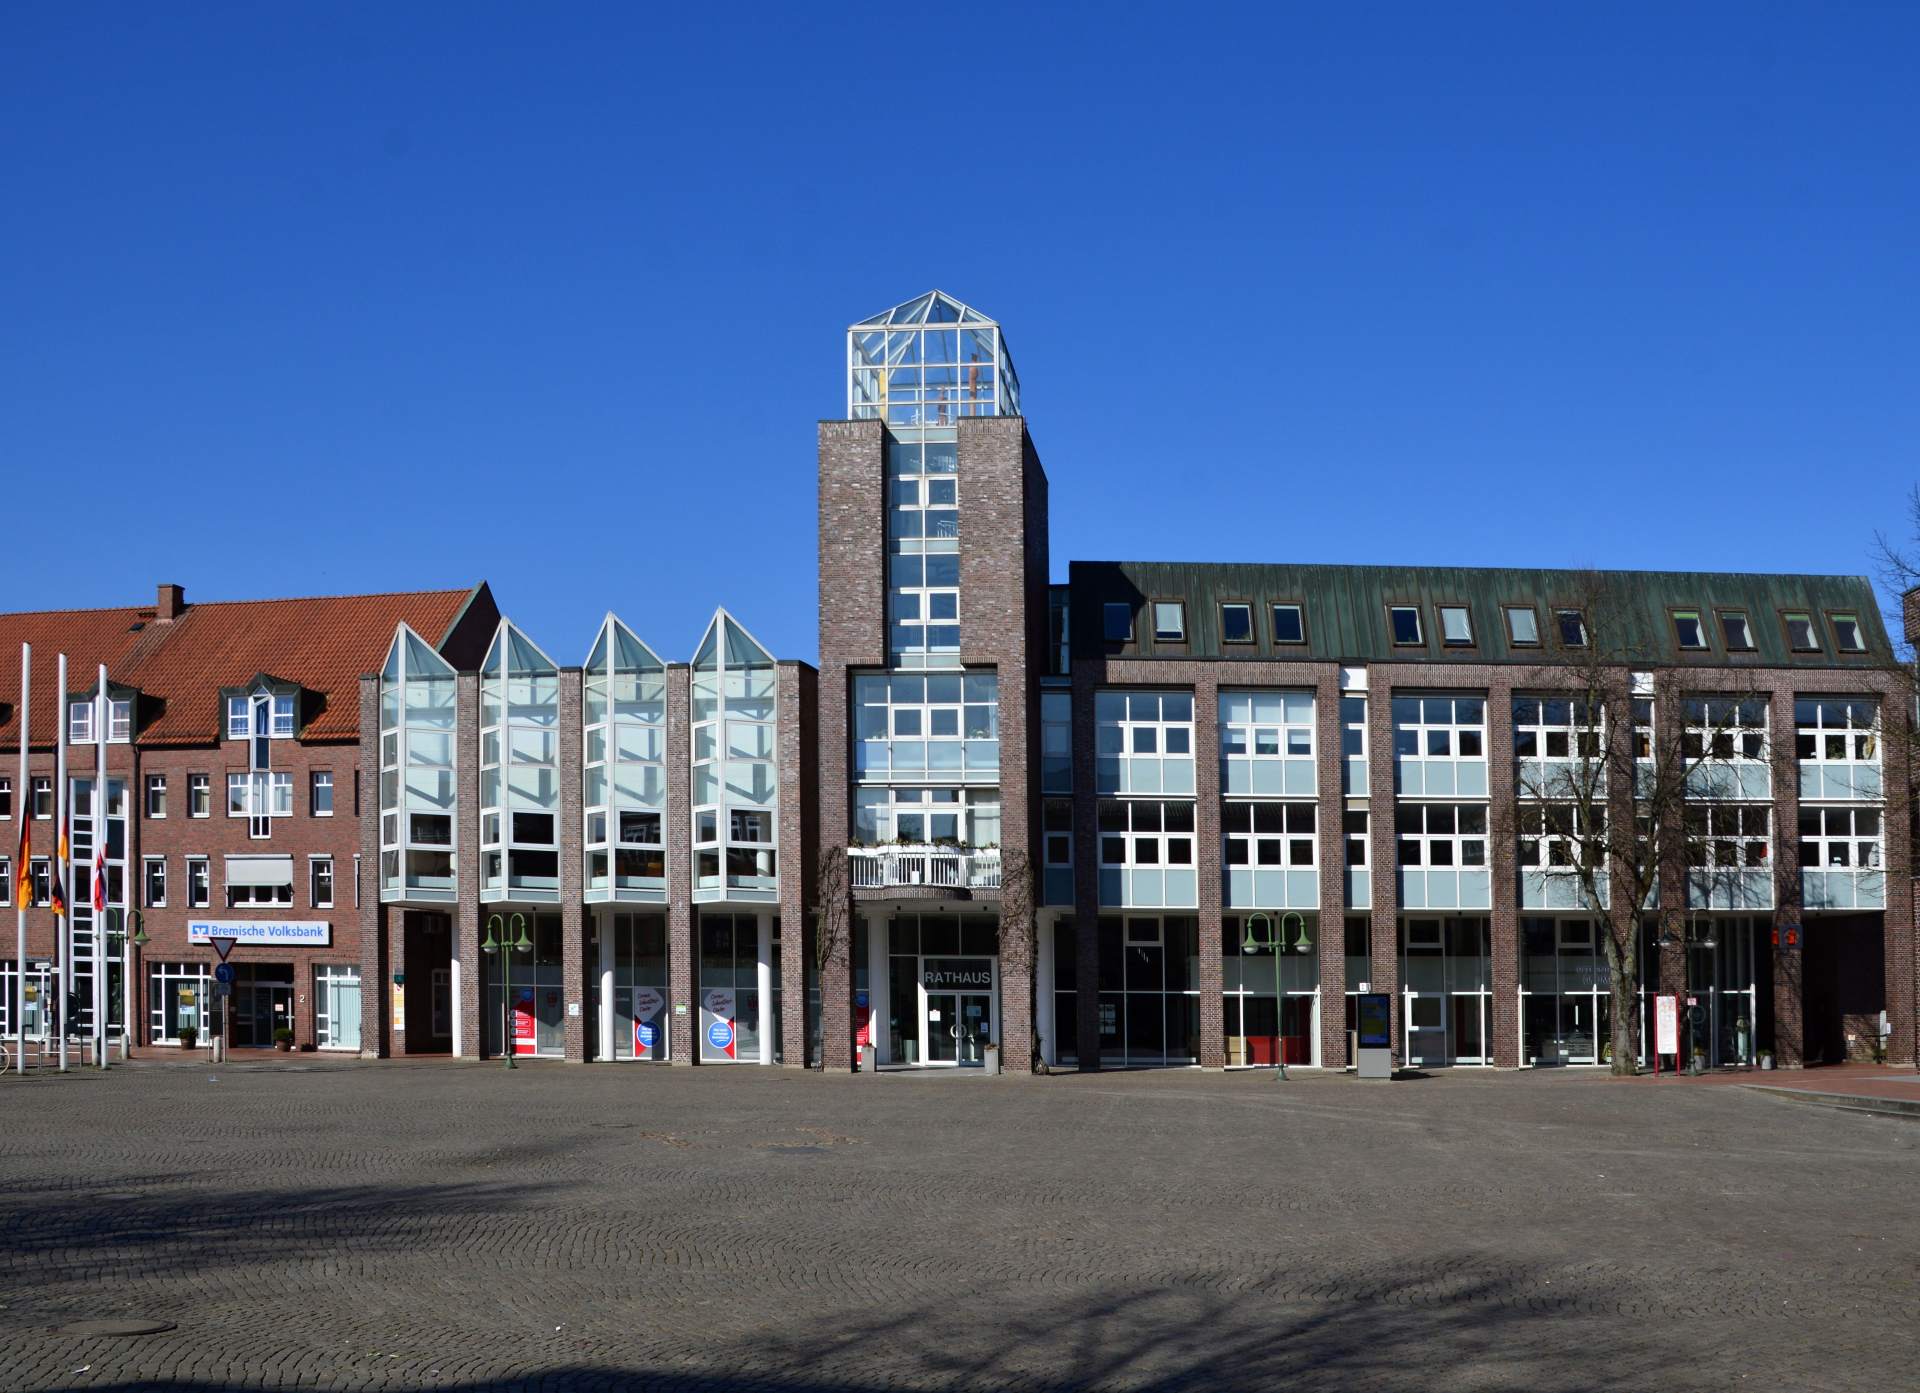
x: 277, y: 933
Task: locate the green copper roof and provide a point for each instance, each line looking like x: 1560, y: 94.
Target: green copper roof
x: 1346, y: 612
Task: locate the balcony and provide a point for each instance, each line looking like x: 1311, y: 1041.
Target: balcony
x: 955, y: 869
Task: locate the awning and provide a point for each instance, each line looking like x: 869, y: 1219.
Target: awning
x: 260, y: 870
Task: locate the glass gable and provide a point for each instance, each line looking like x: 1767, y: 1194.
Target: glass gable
x: 625, y: 777
x: 519, y: 770
x: 735, y: 766
x: 927, y: 363
x: 417, y: 720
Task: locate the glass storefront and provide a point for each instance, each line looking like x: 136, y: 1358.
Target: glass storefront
x: 538, y: 1014
x: 1149, y: 990
x: 943, y: 988
x: 730, y: 1017
x: 178, y: 998
x: 636, y: 945
x: 1270, y: 985
x: 1566, y: 992
x: 1446, y: 990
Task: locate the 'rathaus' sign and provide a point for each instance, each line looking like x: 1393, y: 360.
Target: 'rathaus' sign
x: 279, y: 933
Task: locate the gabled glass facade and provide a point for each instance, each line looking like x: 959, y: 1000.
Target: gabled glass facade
x: 417, y: 739
x: 736, y: 779
x: 624, y: 775
x: 519, y: 770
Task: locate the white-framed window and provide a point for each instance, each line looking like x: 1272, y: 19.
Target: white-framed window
x: 519, y: 768
x: 1837, y: 730
x: 1572, y: 624
x: 258, y: 896
x: 42, y: 792
x: 258, y: 714
x: 963, y: 816
x: 624, y: 769
x: 199, y: 882
x: 178, y: 997
x: 1456, y: 626
x: 733, y: 683
x: 1236, y: 622
x: 1643, y: 728
x: 6, y: 881
x: 1846, y: 838
x: 1141, y: 833
x: 1555, y: 836
x: 1143, y: 742
x: 1169, y: 621
x: 1688, y: 630
x: 199, y: 795
x: 153, y: 876
x: 1727, y: 836
x: 336, y: 1006
x: 1735, y: 630
x: 1267, y: 742
x: 1731, y: 728
x: 1353, y: 826
x: 1803, y: 636
x: 1440, y: 727
x: 156, y: 795
x: 1404, y: 621
x: 1848, y: 637
x: 1289, y: 624
x: 1523, y: 625
x: 1441, y: 834
x: 320, y: 793
x: 1270, y: 834
x: 356, y: 880
x: 909, y: 726
x: 81, y: 720
x: 80, y: 723
x: 923, y: 602
x: 6, y: 796
x: 1355, y: 778
x: 1056, y: 821
x: 262, y: 793
x: 1546, y: 727
x: 320, y: 881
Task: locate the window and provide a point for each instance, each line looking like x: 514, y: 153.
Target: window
x: 1260, y: 732
x: 199, y: 882
x: 1056, y: 742
x: 1643, y: 728
x: 1354, y: 777
x: 41, y: 869
x: 1145, y: 834
x: 156, y: 795
x: 1440, y: 727
x: 1269, y: 834
x: 1847, y: 637
x: 1117, y: 621
x: 80, y: 722
x: 320, y: 881
x: 199, y: 795
x: 1169, y: 621
x: 260, y: 714
x: 1573, y: 627
x: 1236, y: 623
x: 1726, y: 728
x: 1353, y: 825
x: 1735, y: 630
x: 6, y: 797
x: 1149, y: 1009
x: 944, y: 726
x: 1143, y: 742
x: 1405, y: 622
x: 42, y: 797
x: 924, y: 603
x: 1839, y: 838
x: 1057, y: 850
x: 1835, y: 730
x: 336, y: 1007
x: 1556, y: 836
x: 1456, y: 626
x: 1289, y: 624
x: 320, y: 793
x: 1688, y: 632
x: 6, y: 881
x: 1727, y: 836
x: 1802, y: 637
x: 952, y: 816
x: 1441, y: 834
x: 1523, y: 626
x: 735, y: 791
x: 253, y: 896
x: 154, y: 880
x: 266, y: 793
x: 1557, y: 728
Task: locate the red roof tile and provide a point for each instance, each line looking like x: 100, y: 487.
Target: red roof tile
x: 322, y: 643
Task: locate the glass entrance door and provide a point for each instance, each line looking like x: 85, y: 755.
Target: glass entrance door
x: 943, y: 1035
x: 260, y: 1008
x: 959, y: 1026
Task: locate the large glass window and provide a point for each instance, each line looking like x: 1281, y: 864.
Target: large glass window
x: 1143, y: 742
x: 730, y: 1021
x: 1267, y: 743
x: 624, y: 778
x: 927, y: 816
x: 1056, y: 742
x: 1565, y: 986
x: 417, y: 706
x: 638, y: 946
x: 336, y: 1006
x: 735, y: 768
x: 926, y: 364
x: 519, y: 770
x: 1270, y: 984
x: 1149, y: 990
x: 937, y: 726
x: 179, y: 997
x: 1446, y: 988
x: 536, y: 983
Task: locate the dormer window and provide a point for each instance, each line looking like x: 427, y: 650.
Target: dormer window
x: 1736, y: 631
x: 1687, y: 629
x: 1846, y: 633
x: 82, y: 717
x: 260, y: 714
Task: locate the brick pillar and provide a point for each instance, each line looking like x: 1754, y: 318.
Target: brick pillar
x: 1668, y: 724
x: 574, y: 964
x: 467, y: 867
x: 682, y: 1009
x: 836, y: 985
x: 1210, y: 873
x: 1381, y: 786
x: 1331, y: 809
x: 1897, y: 920
x: 1086, y: 875
x: 1789, y: 1004
x: 796, y: 706
x: 374, y: 1009
x: 1019, y: 895
x: 1502, y: 850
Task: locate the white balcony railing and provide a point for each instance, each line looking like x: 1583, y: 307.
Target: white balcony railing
x: 948, y: 867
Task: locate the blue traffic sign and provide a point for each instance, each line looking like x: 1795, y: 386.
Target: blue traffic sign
x: 223, y: 972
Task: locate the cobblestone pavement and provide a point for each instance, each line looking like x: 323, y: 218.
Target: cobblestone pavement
x: 445, y: 1226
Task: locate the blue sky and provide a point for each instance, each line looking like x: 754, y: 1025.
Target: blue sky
x: 302, y: 299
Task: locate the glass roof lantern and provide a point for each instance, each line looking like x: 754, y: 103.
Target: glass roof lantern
x: 923, y: 365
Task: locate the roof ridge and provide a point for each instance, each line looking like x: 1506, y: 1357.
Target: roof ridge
x: 84, y: 609
x: 349, y: 595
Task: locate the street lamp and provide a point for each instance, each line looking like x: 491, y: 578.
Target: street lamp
x: 507, y: 946
x: 1278, y: 943
x: 117, y: 920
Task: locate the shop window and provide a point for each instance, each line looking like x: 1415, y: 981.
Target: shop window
x: 638, y: 950
x: 1523, y: 626
x: 1236, y: 623
x: 336, y: 1007
x: 1289, y: 624
x: 1270, y: 984
x: 1404, y: 621
x: 1149, y: 1007
x: 730, y: 1014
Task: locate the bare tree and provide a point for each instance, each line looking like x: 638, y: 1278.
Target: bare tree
x: 832, y: 930
x: 1899, y: 566
x: 1630, y: 794
x: 1020, y: 943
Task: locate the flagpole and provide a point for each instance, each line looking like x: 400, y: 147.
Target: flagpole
x: 103, y: 713
x: 62, y: 812
x: 23, y: 809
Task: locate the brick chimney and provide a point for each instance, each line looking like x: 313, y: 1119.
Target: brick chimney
x: 1910, y: 614
x: 171, y: 604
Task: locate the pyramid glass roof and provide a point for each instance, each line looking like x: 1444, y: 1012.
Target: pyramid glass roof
x: 923, y: 365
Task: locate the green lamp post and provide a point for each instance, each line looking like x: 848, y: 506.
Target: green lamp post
x: 501, y: 939
x: 1276, y: 940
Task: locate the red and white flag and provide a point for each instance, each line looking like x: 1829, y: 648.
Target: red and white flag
x: 100, y: 876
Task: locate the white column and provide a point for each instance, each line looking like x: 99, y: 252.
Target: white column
x: 603, y: 921
x: 102, y: 719
x: 1043, y: 990
x: 453, y: 990
x: 879, y: 987
x: 763, y: 978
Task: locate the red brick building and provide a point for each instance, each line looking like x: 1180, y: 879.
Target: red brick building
x: 233, y: 778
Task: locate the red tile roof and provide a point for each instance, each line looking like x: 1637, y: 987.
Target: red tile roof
x: 322, y: 643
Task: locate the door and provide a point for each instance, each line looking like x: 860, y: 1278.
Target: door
x: 973, y: 1031
x: 943, y: 1033
x: 1469, y: 1028
x: 442, y: 987
x: 1425, y: 1025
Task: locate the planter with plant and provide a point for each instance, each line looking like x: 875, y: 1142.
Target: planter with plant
x: 283, y: 1039
x: 189, y: 1037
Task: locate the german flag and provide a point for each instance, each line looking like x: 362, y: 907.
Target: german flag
x: 23, y: 881
x: 60, y: 858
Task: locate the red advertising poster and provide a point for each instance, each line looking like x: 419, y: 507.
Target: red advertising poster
x: 525, y: 1040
